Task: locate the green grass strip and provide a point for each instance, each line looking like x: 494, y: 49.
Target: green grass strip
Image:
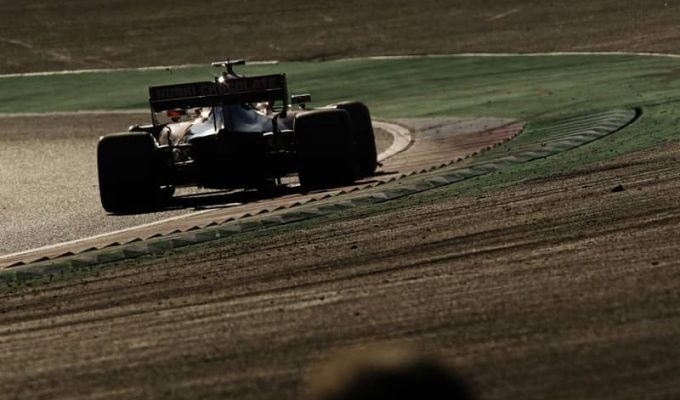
x: 513, y: 86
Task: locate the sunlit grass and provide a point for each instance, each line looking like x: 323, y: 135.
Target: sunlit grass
x: 520, y: 87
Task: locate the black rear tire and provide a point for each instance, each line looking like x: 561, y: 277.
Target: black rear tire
x: 325, y: 148
x: 366, y: 153
x: 130, y: 171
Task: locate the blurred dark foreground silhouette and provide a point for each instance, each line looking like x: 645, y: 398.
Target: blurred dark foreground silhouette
x: 384, y: 373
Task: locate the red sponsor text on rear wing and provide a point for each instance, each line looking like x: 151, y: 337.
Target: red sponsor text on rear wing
x: 229, y: 91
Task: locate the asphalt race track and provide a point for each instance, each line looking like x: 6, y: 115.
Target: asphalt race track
x: 51, y: 205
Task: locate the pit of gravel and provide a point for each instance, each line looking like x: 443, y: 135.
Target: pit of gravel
x: 526, y: 297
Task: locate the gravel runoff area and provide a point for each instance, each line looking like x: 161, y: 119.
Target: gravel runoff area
x: 129, y: 33
x: 526, y: 297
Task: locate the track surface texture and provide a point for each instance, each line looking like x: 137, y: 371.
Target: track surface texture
x: 51, y: 194
x: 50, y: 191
x: 512, y: 287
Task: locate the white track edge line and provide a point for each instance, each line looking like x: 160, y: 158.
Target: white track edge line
x: 546, y: 54
x: 402, y: 139
x: 130, y: 69
x: 392, y: 57
x: 76, y: 241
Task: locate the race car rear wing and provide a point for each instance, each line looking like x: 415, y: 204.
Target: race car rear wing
x: 221, y: 92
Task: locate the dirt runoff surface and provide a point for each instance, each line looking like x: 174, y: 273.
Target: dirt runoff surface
x: 131, y: 33
x: 528, y: 298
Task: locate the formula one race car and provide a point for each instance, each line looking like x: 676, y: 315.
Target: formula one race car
x: 234, y: 132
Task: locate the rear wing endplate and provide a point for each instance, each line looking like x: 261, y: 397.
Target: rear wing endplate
x: 229, y: 91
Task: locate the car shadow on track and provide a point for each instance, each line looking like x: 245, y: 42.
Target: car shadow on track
x: 234, y: 198
x: 224, y: 199
x: 229, y: 198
